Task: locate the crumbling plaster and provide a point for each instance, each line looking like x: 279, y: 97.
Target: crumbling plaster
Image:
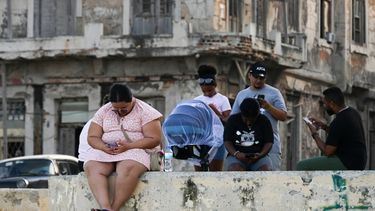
x: 108, y: 12
x: 18, y: 19
x: 229, y: 191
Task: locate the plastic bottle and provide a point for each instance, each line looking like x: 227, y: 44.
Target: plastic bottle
x: 168, y: 156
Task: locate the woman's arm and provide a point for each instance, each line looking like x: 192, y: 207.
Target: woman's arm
x: 152, y: 138
x: 222, y: 115
x: 95, y: 138
x: 225, y: 115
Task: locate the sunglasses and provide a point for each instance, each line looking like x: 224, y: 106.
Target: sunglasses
x: 206, y: 81
x: 258, y: 77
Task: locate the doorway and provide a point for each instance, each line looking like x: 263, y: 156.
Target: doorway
x: 73, y: 114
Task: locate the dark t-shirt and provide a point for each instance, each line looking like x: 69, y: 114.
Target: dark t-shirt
x: 248, y: 139
x: 347, y: 134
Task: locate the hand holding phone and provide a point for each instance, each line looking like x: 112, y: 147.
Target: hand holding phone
x: 307, y: 120
x: 260, y: 97
x: 112, y: 145
x: 250, y: 155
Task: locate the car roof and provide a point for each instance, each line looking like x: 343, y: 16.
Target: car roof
x: 46, y: 156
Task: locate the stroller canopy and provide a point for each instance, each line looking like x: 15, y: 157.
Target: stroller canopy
x: 193, y: 123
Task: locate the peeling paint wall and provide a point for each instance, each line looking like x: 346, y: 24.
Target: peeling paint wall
x: 302, y: 64
x: 229, y: 191
x: 108, y: 12
x: 18, y: 18
x: 3, y: 19
x: 24, y: 199
x: 324, y: 190
x: 199, y: 15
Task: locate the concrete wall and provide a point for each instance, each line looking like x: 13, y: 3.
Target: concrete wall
x: 349, y: 190
x: 24, y: 199
x: 165, y: 65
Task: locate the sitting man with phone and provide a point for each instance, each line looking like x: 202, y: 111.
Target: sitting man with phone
x: 248, y: 138
x: 272, y: 106
x: 345, y: 145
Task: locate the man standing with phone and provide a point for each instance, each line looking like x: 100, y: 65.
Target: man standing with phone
x: 272, y: 105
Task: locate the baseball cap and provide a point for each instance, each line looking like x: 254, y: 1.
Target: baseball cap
x: 258, y: 69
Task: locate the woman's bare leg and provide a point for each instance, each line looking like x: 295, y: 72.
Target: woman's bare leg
x: 97, y: 176
x: 128, y: 173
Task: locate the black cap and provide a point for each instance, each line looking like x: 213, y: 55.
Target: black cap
x: 258, y: 69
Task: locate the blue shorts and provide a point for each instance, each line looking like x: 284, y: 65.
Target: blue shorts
x: 249, y: 167
x: 220, y: 153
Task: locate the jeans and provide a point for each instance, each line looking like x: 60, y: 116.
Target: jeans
x: 275, y: 160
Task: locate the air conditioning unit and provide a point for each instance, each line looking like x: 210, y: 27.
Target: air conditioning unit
x: 330, y: 37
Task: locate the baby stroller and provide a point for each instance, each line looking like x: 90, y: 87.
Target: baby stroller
x: 194, y: 132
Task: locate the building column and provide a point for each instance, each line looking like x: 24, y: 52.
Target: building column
x: 30, y: 18
x: 29, y: 121
x: 127, y: 14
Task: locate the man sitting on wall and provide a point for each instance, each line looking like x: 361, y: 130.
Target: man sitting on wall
x: 344, y: 148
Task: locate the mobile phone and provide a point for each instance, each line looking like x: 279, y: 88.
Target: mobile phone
x: 250, y: 155
x: 260, y: 97
x: 112, y: 145
x: 307, y: 120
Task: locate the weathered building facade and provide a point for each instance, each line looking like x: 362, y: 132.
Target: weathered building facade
x: 59, y: 58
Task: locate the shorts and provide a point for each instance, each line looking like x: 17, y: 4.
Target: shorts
x: 249, y: 167
x: 220, y: 153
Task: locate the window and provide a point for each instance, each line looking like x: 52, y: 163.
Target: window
x: 146, y: 6
x: 358, y: 22
x: 16, y: 147
x: 67, y: 167
x: 152, y: 17
x: 235, y: 15
x: 15, y: 122
x: 259, y: 9
x: 165, y: 7
x: 16, y: 110
x: 325, y: 18
x: 73, y: 111
x: 293, y: 15
x: 54, y: 17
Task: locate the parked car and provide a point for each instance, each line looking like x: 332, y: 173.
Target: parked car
x: 33, y: 171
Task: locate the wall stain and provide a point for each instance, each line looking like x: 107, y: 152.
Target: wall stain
x: 339, y: 185
x: 34, y: 198
x: 13, y: 198
x: 247, y: 196
x: 306, y: 180
x: 190, y: 193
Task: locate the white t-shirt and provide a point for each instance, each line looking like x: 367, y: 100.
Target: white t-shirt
x: 220, y: 101
x: 83, y: 144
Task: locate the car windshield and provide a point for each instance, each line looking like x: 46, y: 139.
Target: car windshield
x: 31, y: 167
